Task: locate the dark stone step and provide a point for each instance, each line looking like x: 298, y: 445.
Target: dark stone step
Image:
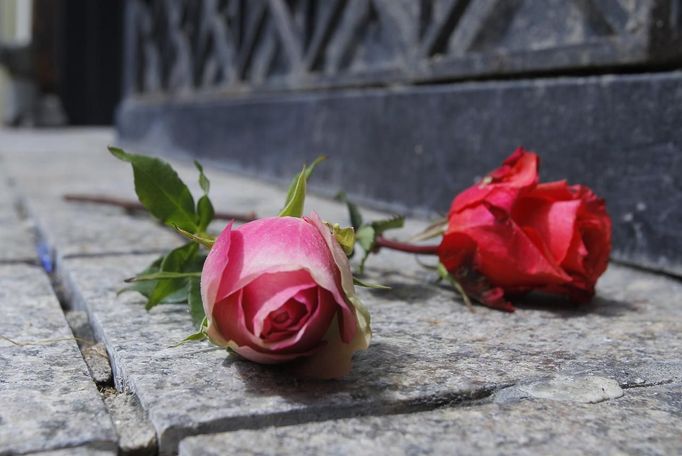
x: 416, y: 147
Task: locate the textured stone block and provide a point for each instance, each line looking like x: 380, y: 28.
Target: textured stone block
x: 644, y: 421
x: 47, y: 398
x: 16, y: 244
x: 15, y: 239
x: 428, y: 349
x: 46, y: 166
x: 136, y: 436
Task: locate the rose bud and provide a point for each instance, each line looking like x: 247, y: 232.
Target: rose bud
x: 510, y: 235
x: 280, y: 289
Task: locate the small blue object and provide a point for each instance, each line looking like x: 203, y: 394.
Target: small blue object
x: 45, y: 256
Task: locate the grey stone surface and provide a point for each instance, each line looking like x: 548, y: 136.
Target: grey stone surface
x: 587, y: 389
x: 643, y: 421
x: 45, y: 166
x: 47, y: 399
x: 136, y: 435
x: 428, y: 349
x: 15, y: 239
x: 15, y: 234
x: 77, y: 451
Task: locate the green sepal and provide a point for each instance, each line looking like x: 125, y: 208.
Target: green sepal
x: 444, y: 274
x: 344, y: 236
x: 293, y: 205
x: 160, y: 190
x: 435, y: 229
x: 376, y: 286
x: 203, y: 239
x: 197, y: 336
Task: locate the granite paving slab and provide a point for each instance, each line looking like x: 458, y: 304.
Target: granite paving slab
x: 47, y: 398
x: 15, y: 239
x: 642, y: 421
x: 428, y: 350
x: 15, y: 234
x: 45, y: 167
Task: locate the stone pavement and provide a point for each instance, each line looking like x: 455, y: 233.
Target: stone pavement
x: 550, y: 378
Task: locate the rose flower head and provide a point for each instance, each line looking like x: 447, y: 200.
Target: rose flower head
x: 511, y: 234
x: 280, y: 289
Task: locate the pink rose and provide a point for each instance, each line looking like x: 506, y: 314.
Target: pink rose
x: 280, y: 289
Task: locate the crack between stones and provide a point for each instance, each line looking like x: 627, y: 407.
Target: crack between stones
x: 627, y: 386
x: 172, y: 436
x: 122, y: 411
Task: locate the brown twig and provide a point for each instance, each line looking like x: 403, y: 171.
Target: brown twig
x: 406, y: 247
x: 130, y: 205
x: 45, y: 341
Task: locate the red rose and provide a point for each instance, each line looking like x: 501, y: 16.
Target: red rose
x: 510, y: 235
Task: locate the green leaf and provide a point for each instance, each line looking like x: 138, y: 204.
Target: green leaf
x: 362, y: 283
x: 293, y: 205
x: 196, y: 307
x: 160, y: 190
x: 174, y: 261
x: 395, y: 222
x: 344, y: 236
x: 204, y: 183
x: 161, y: 275
x: 206, y: 213
x: 205, y: 240
x: 353, y: 211
x: 367, y: 234
x: 205, y: 209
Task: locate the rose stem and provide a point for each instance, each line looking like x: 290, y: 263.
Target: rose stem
x: 406, y: 247
x: 131, y: 205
